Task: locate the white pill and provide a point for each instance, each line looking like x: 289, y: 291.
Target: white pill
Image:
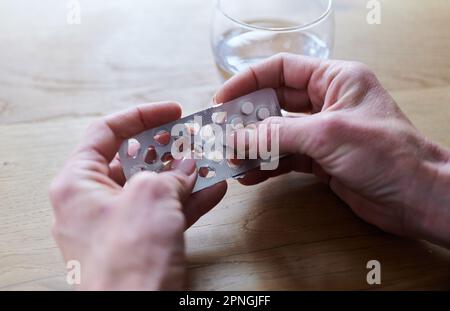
x: 215, y: 156
x: 237, y: 123
x: 192, y: 128
x: 219, y: 117
x: 247, y: 108
x: 206, y: 132
x: 263, y: 113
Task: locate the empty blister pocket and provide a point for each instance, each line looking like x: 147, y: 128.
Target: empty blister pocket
x: 152, y: 150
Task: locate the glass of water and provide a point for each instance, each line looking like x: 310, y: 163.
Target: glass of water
x: 245, y: 32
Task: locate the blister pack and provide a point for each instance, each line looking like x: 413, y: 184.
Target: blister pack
x: 201, y: 135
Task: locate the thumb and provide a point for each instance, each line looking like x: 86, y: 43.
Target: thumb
x: 309, y: 135
x: 176, y: 183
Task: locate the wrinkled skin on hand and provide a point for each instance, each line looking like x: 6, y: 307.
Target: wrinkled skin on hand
x: 354, y: 137
x: 126, y: 237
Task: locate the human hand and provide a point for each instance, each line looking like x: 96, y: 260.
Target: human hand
x: 354, y: 137
x: 127, y: 237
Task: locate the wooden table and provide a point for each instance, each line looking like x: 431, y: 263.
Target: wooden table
x: 288, y: 233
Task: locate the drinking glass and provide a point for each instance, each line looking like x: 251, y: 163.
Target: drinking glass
x: 245, y: 32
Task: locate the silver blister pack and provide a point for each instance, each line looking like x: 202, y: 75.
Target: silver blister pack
x: 156, y: 145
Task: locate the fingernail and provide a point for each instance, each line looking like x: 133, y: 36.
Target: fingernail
x: 187, y: 166
x: 214, y: 99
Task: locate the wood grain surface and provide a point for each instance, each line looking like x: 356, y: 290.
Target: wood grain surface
x: 288, y: 233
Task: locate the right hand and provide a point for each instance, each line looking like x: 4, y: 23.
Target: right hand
x: 127, y: 236
x: 354, y: 136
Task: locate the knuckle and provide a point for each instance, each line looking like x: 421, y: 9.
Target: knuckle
x: 272, y: 124
x: 96, y: 125
x: 334, y: 123
x: 283, y: 55
x: 175, y: 215
x: 163, y: 186
x: 144, y: 180
x: 158, y: 185
x: 176, y: 219
x: 280, y: 58
x: 331, y: 126
x: 273, y: 120
x: 174, y: 181
x: 359, y: 72
x: 359, y: 69
x: 59, y: 191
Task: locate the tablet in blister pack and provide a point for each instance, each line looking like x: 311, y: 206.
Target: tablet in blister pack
x: 202, y: 136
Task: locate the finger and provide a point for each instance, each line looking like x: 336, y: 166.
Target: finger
x: 293, y: 163
x: 203, y: 201
x: 296, y: 163
x: 314, y: 136
x: 182, y: 175
x: 116, y: 172
x: 149, y: 188
x: 283, y: 70
x: 309, y: 139
x: 311, y: 135
x: 294, y: 100
x: 103, y: 139
x: 377, y: 214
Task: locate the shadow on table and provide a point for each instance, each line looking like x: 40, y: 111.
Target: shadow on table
x: 299, y: 236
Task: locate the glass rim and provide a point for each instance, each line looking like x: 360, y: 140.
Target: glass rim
x: 322, y: 17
